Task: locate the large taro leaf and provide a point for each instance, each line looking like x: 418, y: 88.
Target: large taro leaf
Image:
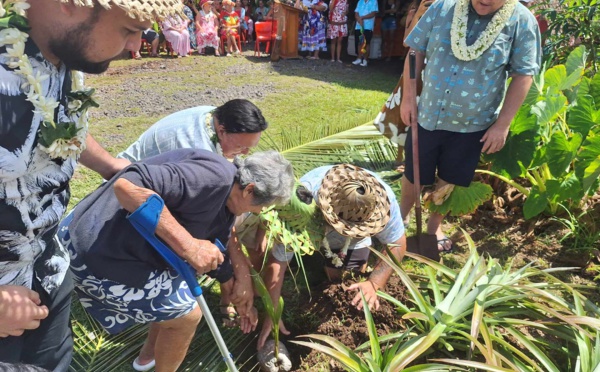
x: 546, y: 110
x: 587, y: 168
x: 583, y: 116
x: 516, y: 155
x: 557, y: 77
x: 524, y: 121
x: 463, y: 200
x: 536, y: 90
x: 535, y: 203
x: 576, y: 60
x: 560, y: 152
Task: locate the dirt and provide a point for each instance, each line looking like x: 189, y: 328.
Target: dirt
x: 149, y: 74
x: 142, y: 89
x: 330, y: 313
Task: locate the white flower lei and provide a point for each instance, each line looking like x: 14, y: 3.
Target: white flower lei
x: 210, y: 130
x: 62, y: 140
x: 458, y: 32
x: 336, y: 259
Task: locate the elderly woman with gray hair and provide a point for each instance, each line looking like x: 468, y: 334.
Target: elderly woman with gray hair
x: 119, y: 277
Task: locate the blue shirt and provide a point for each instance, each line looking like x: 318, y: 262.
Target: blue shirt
x: 466, y: 96
x: 390, y: 233
x: 183, y: 129
x: 363, y: 8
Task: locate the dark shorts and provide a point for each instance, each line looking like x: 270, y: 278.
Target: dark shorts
x: 368, y: 36
x: 388, y: 24
x: 50, y: 346
x: 454, y: 155
x: 149, y: 36
x: 354, y: 259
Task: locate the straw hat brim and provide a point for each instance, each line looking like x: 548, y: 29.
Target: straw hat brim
x: 144, y: 10
x: 328, y: 197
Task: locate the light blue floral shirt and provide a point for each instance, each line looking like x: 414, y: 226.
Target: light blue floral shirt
x: 181, y: 130
x: 363, y: 8
x: 390, y: 234
x: 462, y: 96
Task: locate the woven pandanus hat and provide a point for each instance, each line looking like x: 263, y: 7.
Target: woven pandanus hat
x: 144, y: 10
x: 353, y: 201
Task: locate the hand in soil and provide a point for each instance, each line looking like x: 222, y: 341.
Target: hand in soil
x: 369, y: 292
x: 266, y: 332
x: 248, y: 323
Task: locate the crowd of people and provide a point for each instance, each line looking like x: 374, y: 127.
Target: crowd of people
x: 224, y: 25
x: 196, y: 161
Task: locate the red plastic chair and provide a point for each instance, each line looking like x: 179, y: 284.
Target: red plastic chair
x: 145, y: 45
x: 265, y: 32
x: 244, y: 32
x: 224, y: 43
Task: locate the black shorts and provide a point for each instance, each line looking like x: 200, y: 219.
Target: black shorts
x: 49, y: 346
x: 368, y: 36
x: 454, y: 155
x: 149, y: 36
x: 354, y: 259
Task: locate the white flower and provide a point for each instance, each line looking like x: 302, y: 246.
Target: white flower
x: 20, y: 7
x: 17, y: 50
x: 74, y: 105
x: 11, y: 36
x: 78, y: 80
x: 45, y: 107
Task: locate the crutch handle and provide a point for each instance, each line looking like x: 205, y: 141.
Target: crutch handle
x: 144, y: 220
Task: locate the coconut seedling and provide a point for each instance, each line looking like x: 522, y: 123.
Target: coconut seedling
x: 271, y: 361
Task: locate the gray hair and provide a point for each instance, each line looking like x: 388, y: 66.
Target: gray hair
x: 271, y: 174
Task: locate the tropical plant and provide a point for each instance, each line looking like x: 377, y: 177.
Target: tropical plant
x: 274, y: 312
x: 552, y: 154
x: 483, y: 316
x: 572, y: 22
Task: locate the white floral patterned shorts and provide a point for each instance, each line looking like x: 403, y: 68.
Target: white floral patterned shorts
x: 116, y: 306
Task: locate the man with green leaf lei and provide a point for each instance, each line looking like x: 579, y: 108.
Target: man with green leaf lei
x: 472, y: 47
x: 43, y: 133
x: 351, y: 205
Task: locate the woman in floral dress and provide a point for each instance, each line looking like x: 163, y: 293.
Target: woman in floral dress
x: 311, y: 32
x: 175, y: 30
x: 337, y: 27
x: 191, y: 25
x: 207, y: 28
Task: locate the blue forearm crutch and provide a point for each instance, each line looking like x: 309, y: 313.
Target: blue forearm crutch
x: 144, y: 220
